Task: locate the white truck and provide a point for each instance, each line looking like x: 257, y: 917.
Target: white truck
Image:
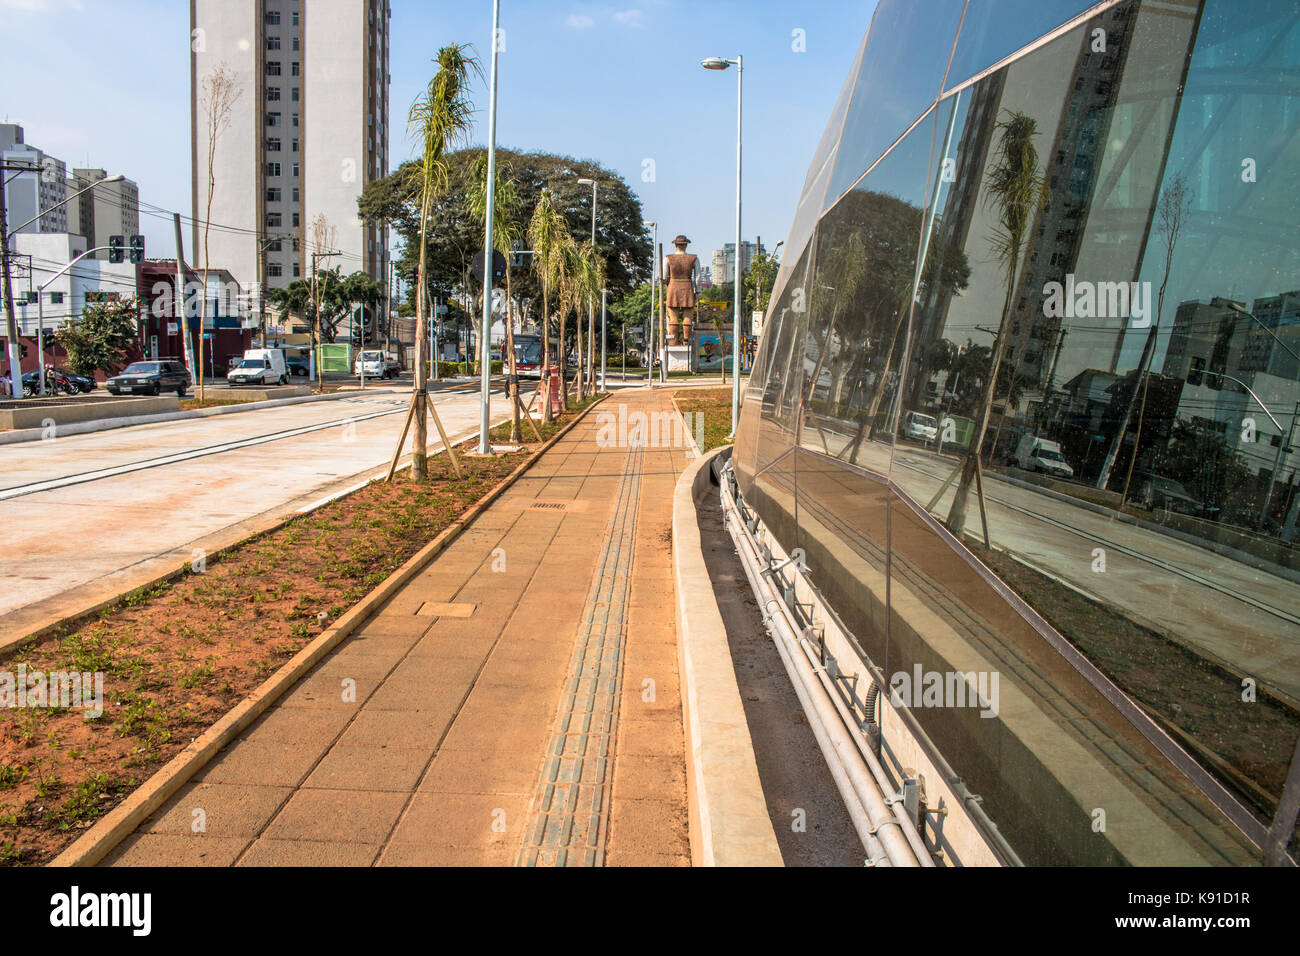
x: 375, y: 364
x: 259, y: 367
x: 1041, y: 455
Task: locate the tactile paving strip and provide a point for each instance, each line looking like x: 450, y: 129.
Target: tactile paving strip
x: 570, y: 808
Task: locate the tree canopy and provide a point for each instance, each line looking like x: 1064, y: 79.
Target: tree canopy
x: 456, y: 233
x: 101, y: 339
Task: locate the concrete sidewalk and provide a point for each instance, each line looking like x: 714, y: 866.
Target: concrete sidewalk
x: 516, y: 703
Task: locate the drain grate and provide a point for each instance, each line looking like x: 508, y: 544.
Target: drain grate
x: 551, y: 505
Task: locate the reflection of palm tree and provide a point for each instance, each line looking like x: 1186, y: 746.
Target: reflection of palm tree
x: 1015, y: 190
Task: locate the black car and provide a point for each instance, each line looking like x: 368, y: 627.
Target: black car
x: 151, y: 378
x: 297, y: 366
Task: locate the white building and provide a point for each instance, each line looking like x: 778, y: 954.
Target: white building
x: 39, y: 255
x: 308, y: 131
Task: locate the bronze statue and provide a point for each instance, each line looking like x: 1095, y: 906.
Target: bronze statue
x: 680, y: 298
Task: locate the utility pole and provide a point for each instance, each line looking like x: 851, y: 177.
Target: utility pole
x: 1282, y: 446
x: 11, y: 322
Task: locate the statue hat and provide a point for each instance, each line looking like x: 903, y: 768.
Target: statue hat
x: 680, y: 240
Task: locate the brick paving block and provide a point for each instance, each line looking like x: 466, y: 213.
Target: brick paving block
x: 413, y: 854
x: 482, y: 771
x: 472, y: 820
x: 266, y: 852
x: 228, y: 810
x: 369, y: 768
x: 169, y: 850
x: 298, y: 725
x: 648, y: 825
x: 639, y: 776
x: 329, y: 691
x: 400, y: 729
x: 269, y: 763
x: 338, y: 816
x: 649, y: 738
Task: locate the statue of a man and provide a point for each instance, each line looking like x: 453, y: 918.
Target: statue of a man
x: 680, y: 297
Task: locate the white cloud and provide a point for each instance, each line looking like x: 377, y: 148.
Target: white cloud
x: 631, y: 18
x: 580, y: 22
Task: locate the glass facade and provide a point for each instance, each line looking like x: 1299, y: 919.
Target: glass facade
x: 1027, y: 398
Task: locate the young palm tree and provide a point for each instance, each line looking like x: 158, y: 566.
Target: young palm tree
x: 505, y: 231
x: 548, y: 234
x: 1016, y: 189
x: 590, y: 279
x: 441, y: 117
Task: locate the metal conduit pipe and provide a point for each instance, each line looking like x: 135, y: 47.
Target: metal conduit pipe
x: 858, y: 814
x: 862, y: 795
x: 873, y: 763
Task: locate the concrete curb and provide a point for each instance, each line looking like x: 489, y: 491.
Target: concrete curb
x: 729, y: 821
x: 19, y: 435
x: 122, y: 821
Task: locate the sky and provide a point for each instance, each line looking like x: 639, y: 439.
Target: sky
x: 105, y: 83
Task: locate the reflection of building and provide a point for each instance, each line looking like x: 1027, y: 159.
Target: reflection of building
x: 1215, y: 338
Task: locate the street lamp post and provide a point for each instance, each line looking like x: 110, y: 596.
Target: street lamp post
x: 654, y: 291
x: 722, y: 63
x: 484, y: 356
x: 591, y: 304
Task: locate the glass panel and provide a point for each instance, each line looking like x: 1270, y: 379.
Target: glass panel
x: 766, y: 429
x: 1120, y: 334
x: 994, y: 29
x: 901, y: 75
x: 867, y: 247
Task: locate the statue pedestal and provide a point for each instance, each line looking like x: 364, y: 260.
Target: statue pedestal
x: 676, y: 358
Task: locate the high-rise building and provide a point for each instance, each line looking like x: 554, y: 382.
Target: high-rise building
x: 112, y: 209
x: 30, y: 194
x: 307, y: 131
x: 724, y: 260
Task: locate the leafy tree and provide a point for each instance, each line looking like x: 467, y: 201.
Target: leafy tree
x: 101, y: 339
x: 759, y: 279
x: 550, y: 237
x: 455, y: 234
x: 338, y: 296
x: 725, y: 293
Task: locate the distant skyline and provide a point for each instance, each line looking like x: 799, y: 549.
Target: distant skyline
x: 620, y: 85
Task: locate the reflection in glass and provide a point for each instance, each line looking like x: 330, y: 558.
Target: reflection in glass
x: 1139, y: 472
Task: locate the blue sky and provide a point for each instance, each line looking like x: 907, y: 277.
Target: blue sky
x: 106, y: 82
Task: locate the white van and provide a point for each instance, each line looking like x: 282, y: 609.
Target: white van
x: 920, y: 427
x: 1039, y: 454
x: 259, y: 367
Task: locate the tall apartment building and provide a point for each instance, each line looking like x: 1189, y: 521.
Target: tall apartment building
x: 724, y: 260
x: 112, y: 209
x: 30, y: 194
x: 308, y: 131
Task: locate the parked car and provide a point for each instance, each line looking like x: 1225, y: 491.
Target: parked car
x: 259, y: 367
x: 297, y: 366
x: 1041, y: 455
x: 920, y: 427
x: 150, y: 378
x: 1155, y: 491
x: 376, y: 364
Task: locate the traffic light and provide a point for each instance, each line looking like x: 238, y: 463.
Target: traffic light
x: 115, y: 248
x: 363, y: 326
x: 137, y: 250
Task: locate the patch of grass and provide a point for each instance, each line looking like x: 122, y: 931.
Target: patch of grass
x: 715, y: 405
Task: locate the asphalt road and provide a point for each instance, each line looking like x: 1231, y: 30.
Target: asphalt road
x: 87, y: 517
